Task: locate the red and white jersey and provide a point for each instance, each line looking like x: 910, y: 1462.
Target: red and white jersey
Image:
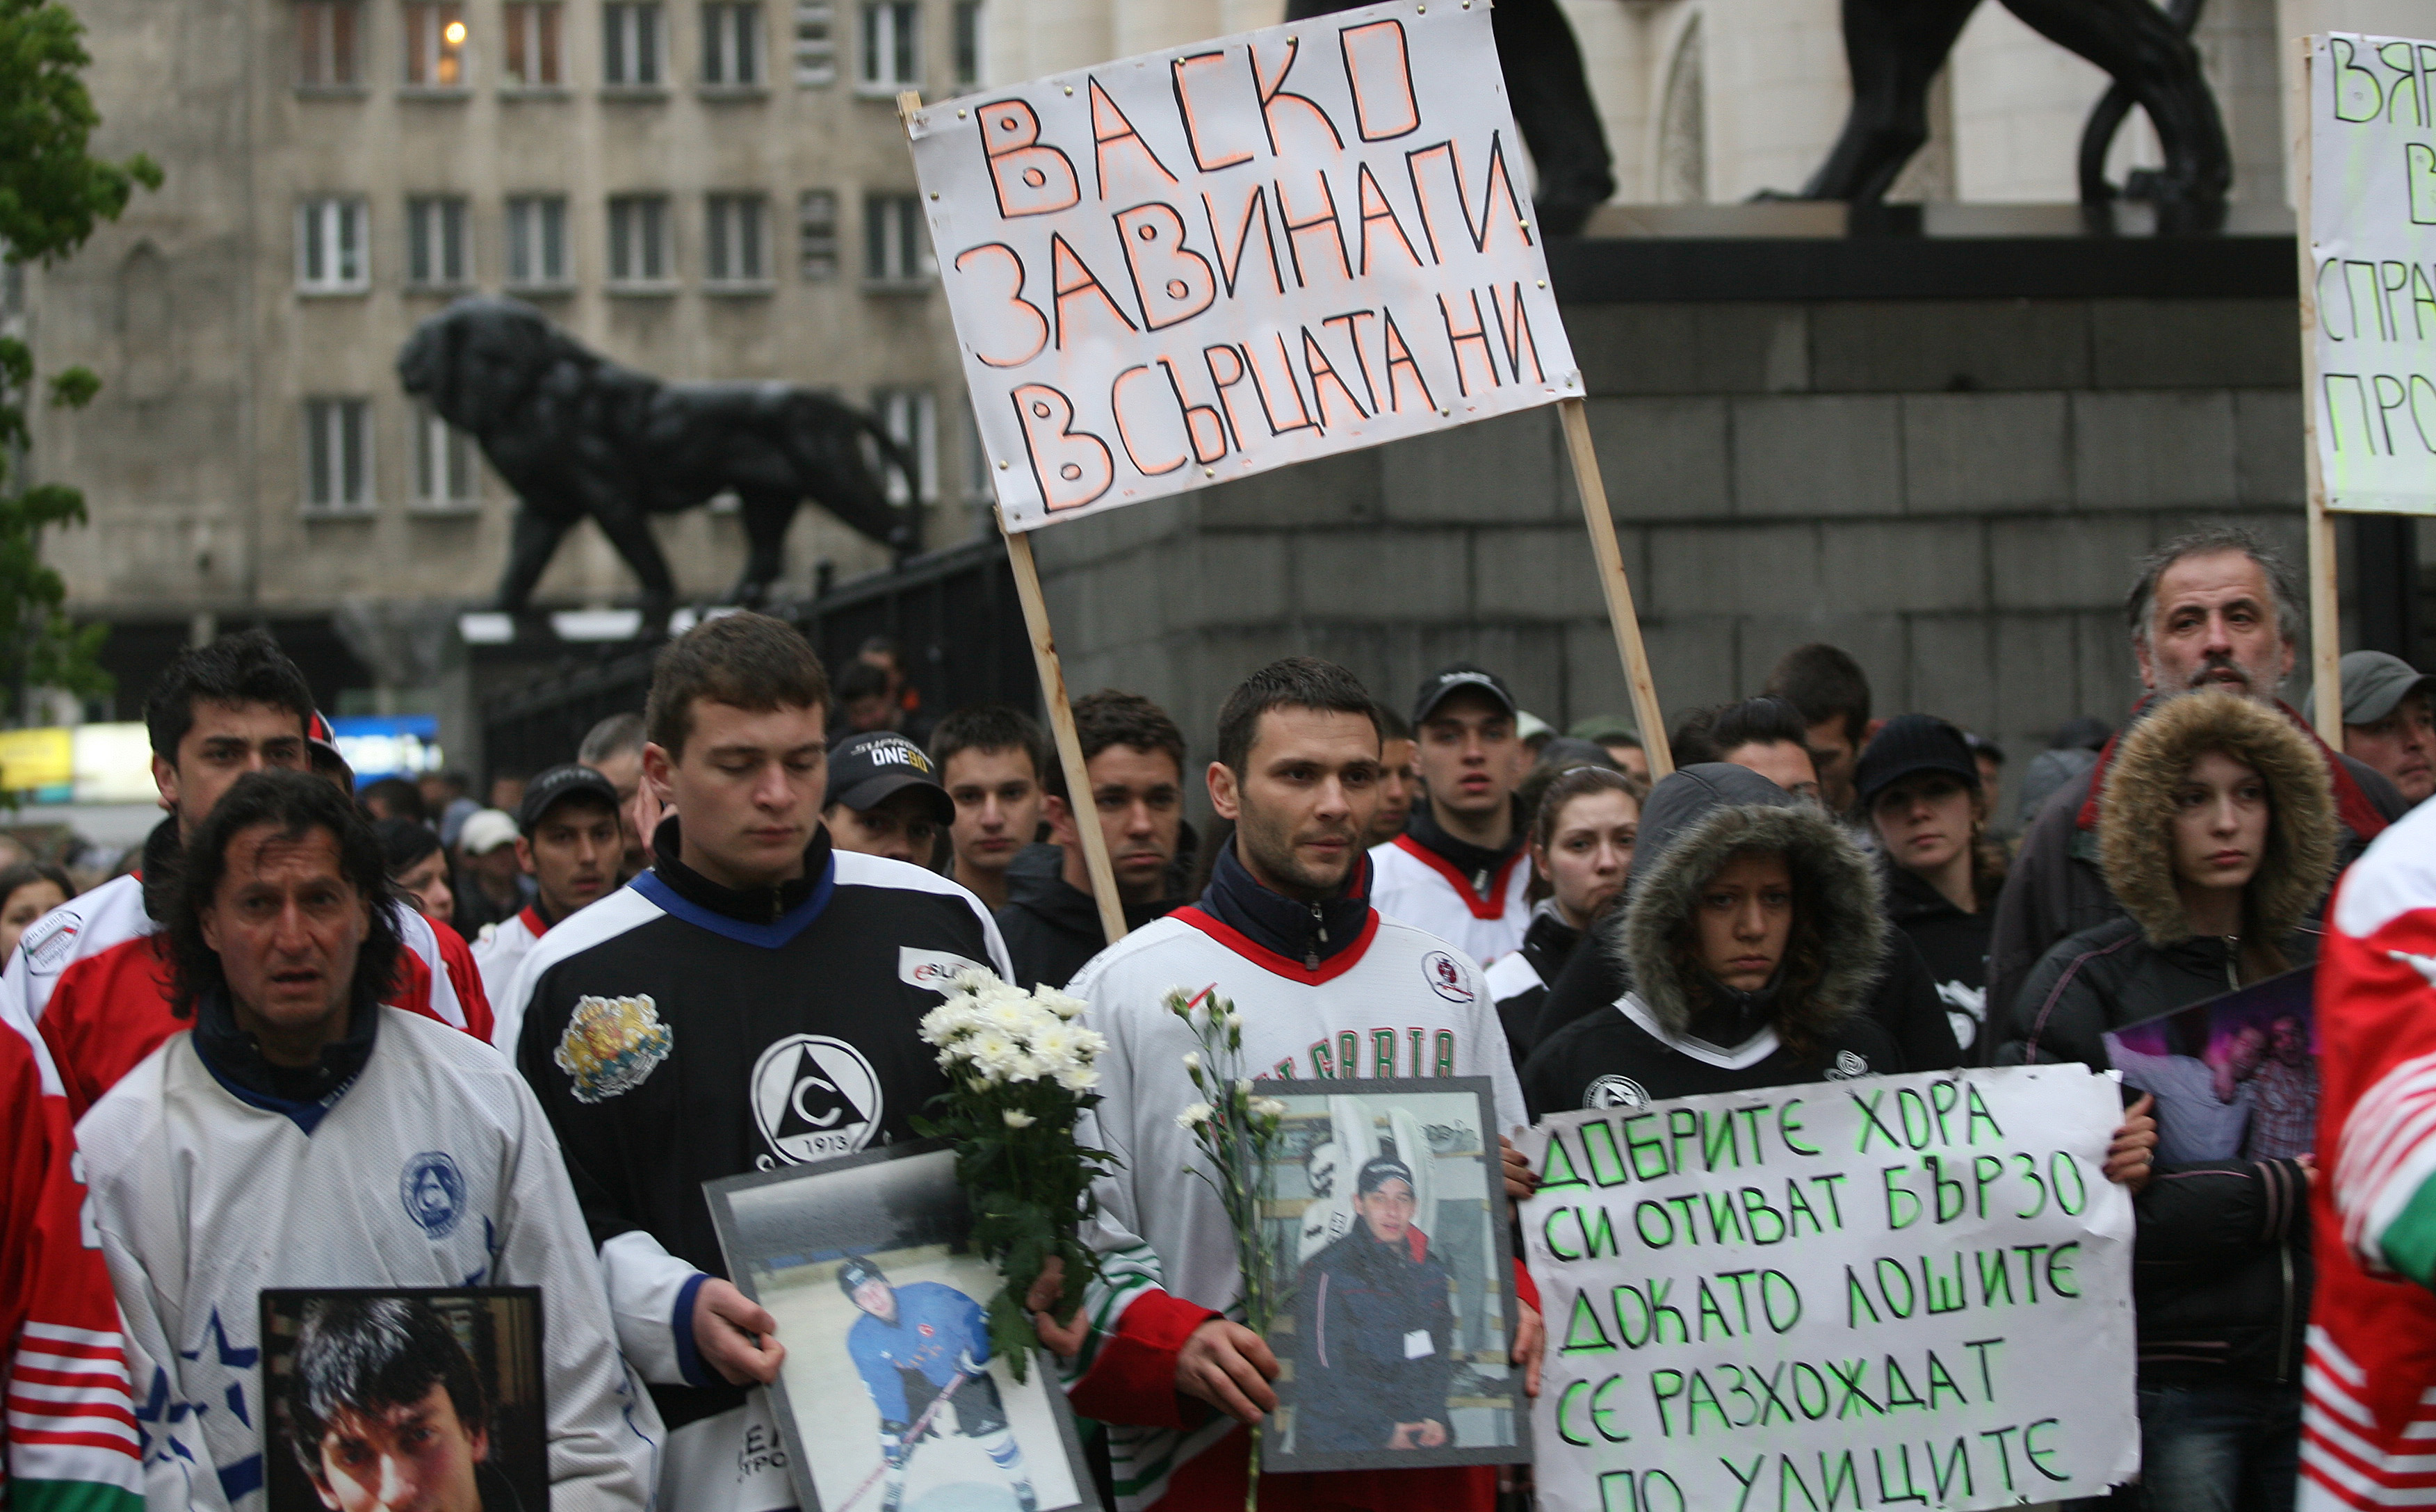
x: 68, y: 1437
x: 498, y: 954
x: 1482, y: 916
x: 2369, y: 1427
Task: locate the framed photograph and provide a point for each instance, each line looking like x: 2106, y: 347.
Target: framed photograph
x: 889, y: 1399
x: 430, y: 1398
x: 2235, y: 1077
x: 1396, y: 1312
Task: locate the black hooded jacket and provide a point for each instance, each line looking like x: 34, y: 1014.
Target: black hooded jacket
x: 1547, y: 946
x: 1953, y: 945
x: 1673, y: 1031
x: 1051, y: 927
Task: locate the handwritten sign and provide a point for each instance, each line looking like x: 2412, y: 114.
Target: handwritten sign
x: 2373, y: 245
x: 1208, y: 261
x: 1894, y: 1292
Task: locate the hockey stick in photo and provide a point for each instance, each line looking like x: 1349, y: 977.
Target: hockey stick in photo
x: 912, y: 1437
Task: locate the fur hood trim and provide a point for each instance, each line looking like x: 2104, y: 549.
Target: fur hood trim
x: 2135, y: 843
x: 1716, y: 811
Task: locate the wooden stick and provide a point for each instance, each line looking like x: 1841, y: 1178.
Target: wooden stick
x: 1617, y: 586
x: 2325, y: 620
x: 1053, y: 692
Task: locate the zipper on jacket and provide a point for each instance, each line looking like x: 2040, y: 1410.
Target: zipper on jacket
x: 2233, y: 963
x: 1320, y: 935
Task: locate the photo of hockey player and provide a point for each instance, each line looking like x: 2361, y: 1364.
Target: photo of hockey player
x: 404, y: 1401
x: 891, y: 1397
x: 1398, y: 1285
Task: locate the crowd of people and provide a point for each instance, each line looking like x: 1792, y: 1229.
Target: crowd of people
x: 394, y: 1038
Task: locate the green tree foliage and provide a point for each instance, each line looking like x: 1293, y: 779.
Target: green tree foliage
x: 52, y: 195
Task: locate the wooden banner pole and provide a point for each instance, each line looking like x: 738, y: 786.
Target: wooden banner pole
x: 2325, y: 617
x: 1617, y: 586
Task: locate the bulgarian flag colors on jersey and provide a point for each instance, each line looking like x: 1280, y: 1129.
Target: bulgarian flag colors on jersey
x: 70, y: 1440
x: 2370, y: 1431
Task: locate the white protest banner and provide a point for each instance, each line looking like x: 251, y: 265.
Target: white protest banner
x: 1232, y: 257
x: 2371, y: 223
x: 1891, y: 1291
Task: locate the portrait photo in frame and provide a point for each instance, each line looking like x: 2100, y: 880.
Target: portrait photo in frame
x: 889, y: 1399
x: 1395, y: 1280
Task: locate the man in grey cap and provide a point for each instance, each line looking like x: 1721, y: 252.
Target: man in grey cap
x: 2389, y: 720
x: 885, y: 800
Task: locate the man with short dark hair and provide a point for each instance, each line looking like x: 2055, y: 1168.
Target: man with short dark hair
x: 2216, y: 608
x: 1326, y: 985
x: 1134, y: 755
x: 990, y: 760
x: 1831, y: 692
x: 614, y: 748
x: 386, y: 1411
x: 1399, y: 776
x: 883, y: 801
x: 1767, y: 735
x: 759, y: 992
x: 297, y: 1133
x: 865, y: 701
x: 568, y: 842
x: 1621, y: 739
x: 93, y: 973
x: 1459, y: 870
x: 1373, y: 1330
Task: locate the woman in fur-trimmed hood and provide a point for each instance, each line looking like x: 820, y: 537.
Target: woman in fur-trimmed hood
x: 1751, y: 937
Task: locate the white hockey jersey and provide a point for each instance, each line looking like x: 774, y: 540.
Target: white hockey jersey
x: 498, y: 954
x: 1398, y: 1002
x: 1411, y: 882
x: 434, y: 1168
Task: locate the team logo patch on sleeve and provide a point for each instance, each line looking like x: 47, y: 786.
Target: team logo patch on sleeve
x: 1444, y: 977
x: 932, y: 970
x: 612, y: 1045
x: 48, y: 943
x: 1615, y: 1091
x: 1848, y: 1065
x: 814, y: 1098
x: 434, y: 1191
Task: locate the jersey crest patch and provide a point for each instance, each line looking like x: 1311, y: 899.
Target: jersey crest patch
x: 932, y: 970
x: 1615, y: 1091
x: 815, y: 1097
x: 434, y: 1191
x: 1848, y: 1066
x: 47, y: 943
x: 1444, y: 977
x: 612, y: 1045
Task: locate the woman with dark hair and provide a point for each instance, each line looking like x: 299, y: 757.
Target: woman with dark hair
x: 1919, y: 789
x: 28, y: 892
x: 1582, y: 834
x: 418, y: 868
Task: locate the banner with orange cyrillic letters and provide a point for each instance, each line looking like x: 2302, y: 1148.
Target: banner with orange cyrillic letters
x: 1203, y: 263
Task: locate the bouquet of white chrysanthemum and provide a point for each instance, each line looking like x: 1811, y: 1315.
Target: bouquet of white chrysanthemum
x: 1238, y: 1130
x: 1020, y: 1071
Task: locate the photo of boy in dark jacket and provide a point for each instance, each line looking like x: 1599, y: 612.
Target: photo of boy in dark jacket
x: 1373, y: 1329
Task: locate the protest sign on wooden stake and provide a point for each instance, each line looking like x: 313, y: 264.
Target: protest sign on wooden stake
x: 1902, y: 1290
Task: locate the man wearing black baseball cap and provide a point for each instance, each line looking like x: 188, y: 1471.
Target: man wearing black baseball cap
x: 884, y: 799
x: 1457, y: 870
x: 1373, y: 1328
x: 568, y: 842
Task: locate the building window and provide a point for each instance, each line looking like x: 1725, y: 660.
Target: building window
x: 330, y: 247
x: 532, y: 44
x: 892, y: 45
x: 536, y: 242
x: 338, y: 454
x: 733, y: 248
x: 630, y: 45
x: 912, y: 420
x: 325, y: 43
x: 638, y: 239
x: 815, y: 43
x: 435, y: 44
x: 435, y: 243
x: 816, y: 235
x: 731, y: 43
x: 893, y: 250
x: 968, y: 44
x: 443, y: 464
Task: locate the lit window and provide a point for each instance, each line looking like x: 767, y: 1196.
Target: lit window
x: 911, y: 422
x: 443, y: 464
x: 638, y: 239
x: 330, y: 247
x: 892, y: 45
x: 732, y: 252
x: 893, y: 250
x: 816, y: 234
x: 532, y: 44
x: 435, y: 243
x: 536, y: 242
x: 815, y: 43
x: 630, y: 45
x: 968, y: 44
x: 731, y: 43
x: 325, y: 43
x: 338, y: 454
x: 435, y: 44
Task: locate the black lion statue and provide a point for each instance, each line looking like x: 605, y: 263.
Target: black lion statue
x: 578, y: 436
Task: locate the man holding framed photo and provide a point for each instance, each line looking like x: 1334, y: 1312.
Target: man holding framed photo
x: 1327, y: 987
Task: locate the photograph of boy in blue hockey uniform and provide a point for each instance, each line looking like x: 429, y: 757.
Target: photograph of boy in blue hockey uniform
x: 1373, y: 1328
x: 921, y: 1347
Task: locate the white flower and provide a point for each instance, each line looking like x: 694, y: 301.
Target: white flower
x: 993, y: 1055
x: 1060, y: 1005
x: 1193, y: 1116
x: 1268, y: 1107
x: 1017, y: 1118
x: 1243, y: 1086
x: 974, y: 979
x: 1234, y: 1019
x: 1088, y: 1043
x: 1078, y: 1078
x: 1191, y: 1060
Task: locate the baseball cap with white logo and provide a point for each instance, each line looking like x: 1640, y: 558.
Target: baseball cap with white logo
x: 1461, y: 677
x: 865, y: 770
